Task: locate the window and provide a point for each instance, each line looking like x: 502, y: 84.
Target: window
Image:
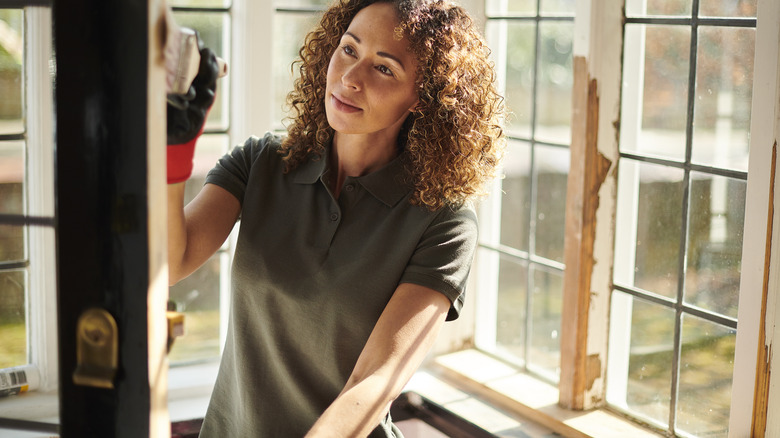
x: 293, y: 18
x: 27, y: 338
x: 677, y: 202
x: 520, y: 258
x: 684, y: 143
x: 204, y: 296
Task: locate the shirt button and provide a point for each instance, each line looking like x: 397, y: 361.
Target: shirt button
x: 334, y: 217
x: 349, y: 187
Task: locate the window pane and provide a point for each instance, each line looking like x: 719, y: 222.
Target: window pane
x: 546, y: 304
x: 655, y: 196
x: 511, y: 304
x: 724, y: 84
x: 201, y: 3
x: 553, y: 100
x: 558, y: 6
x: 516, y: 201
x: 12, y: 245
x: 706, y: 367
x: 659, y: 127
x: 552, y: 171
x: 717, y: 218
x: 11, y: 56
x: 13, y: 347
x: 213, y: 28
x: 511, y: 7
x: 643, y: 386
x: 211, y: 147
x: 658, y: 7
x: 741, y: 8
x: 300, y: 3
x: 198, y: 297
x: 294, y: 27
x: 520, y: 40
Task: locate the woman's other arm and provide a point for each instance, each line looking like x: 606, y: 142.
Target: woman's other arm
x: 196, y: 232
x: 397, y: 345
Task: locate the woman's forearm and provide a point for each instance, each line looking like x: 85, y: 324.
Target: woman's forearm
x: 177, y: 231
x: 358, y: 409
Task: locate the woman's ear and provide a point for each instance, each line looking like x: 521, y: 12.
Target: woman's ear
x: 415, y: 106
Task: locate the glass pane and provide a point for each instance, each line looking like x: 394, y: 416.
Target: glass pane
x: 654, y: 110
x: 13, y: 331
x: 706, y: 367
x: 546, y: 306
x: 553, y: 100
x: 654, y: 193
x: 301, y: 3
x: 511, y: 7
x: 717, y: 218
x: 294, y: 27
x: 557, y: 7
x: 734, y: 8
x: 519, y: 38
x: 211, y: 147
x: 11, y: 56
x: 511, y: 304
x: 200, y: 3
x: 648, y: 388
x: 214, y: 30
x: 552, y: 171
x: 516, y: 199
x: 12, y: 246
x: 198, y: 297
x: 658, y: 7
x: 724, y: 87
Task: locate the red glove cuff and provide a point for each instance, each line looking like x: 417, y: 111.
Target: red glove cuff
x: 180, y: 161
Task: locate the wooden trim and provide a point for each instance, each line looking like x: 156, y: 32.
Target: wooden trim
x: 588, y: 171
x: 763, y: 369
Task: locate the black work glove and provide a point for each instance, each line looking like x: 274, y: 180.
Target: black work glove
x: 187, y: 116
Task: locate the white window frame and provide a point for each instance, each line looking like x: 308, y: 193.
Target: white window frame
x: 40, y: 194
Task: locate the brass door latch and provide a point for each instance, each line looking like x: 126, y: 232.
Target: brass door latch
x: 97, y: 349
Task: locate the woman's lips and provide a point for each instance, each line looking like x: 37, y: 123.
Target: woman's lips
x: 343, y: 106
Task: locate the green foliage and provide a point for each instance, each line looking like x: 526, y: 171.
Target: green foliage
x: 13, y: 348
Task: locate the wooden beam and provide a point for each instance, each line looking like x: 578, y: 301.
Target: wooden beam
x: 587, y: 172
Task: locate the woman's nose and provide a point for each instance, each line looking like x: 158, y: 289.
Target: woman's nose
x: 352, y: 77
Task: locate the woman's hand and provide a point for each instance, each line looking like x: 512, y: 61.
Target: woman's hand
x: 187, y: 117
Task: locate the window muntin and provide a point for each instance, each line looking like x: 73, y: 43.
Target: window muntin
x: 680, y: 215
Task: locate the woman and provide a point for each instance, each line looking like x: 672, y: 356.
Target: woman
x: 356, y: 232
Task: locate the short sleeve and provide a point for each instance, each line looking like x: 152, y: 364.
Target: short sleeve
x: 232, y: 170
x: 443, y: 257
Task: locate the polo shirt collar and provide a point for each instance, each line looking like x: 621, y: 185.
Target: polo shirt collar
x: 389, y: 184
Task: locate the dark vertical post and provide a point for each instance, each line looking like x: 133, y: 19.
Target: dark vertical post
x: 102, y: 51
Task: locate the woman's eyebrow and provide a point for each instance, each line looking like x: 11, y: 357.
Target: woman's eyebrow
x: 382, y: 54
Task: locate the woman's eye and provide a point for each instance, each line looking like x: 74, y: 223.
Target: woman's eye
x: 348, y: 50
x: 384, y: 70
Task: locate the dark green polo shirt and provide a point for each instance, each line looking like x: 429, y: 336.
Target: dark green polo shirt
x: 311, y: 276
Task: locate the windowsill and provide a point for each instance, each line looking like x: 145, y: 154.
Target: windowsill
x: 517, y: 399
x: 468, y: 383
x: 189, y: 390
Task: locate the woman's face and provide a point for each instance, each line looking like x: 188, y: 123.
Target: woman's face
x: 371, y: 76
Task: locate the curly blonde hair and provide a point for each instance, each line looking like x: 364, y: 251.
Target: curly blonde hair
x: 453, y: 140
